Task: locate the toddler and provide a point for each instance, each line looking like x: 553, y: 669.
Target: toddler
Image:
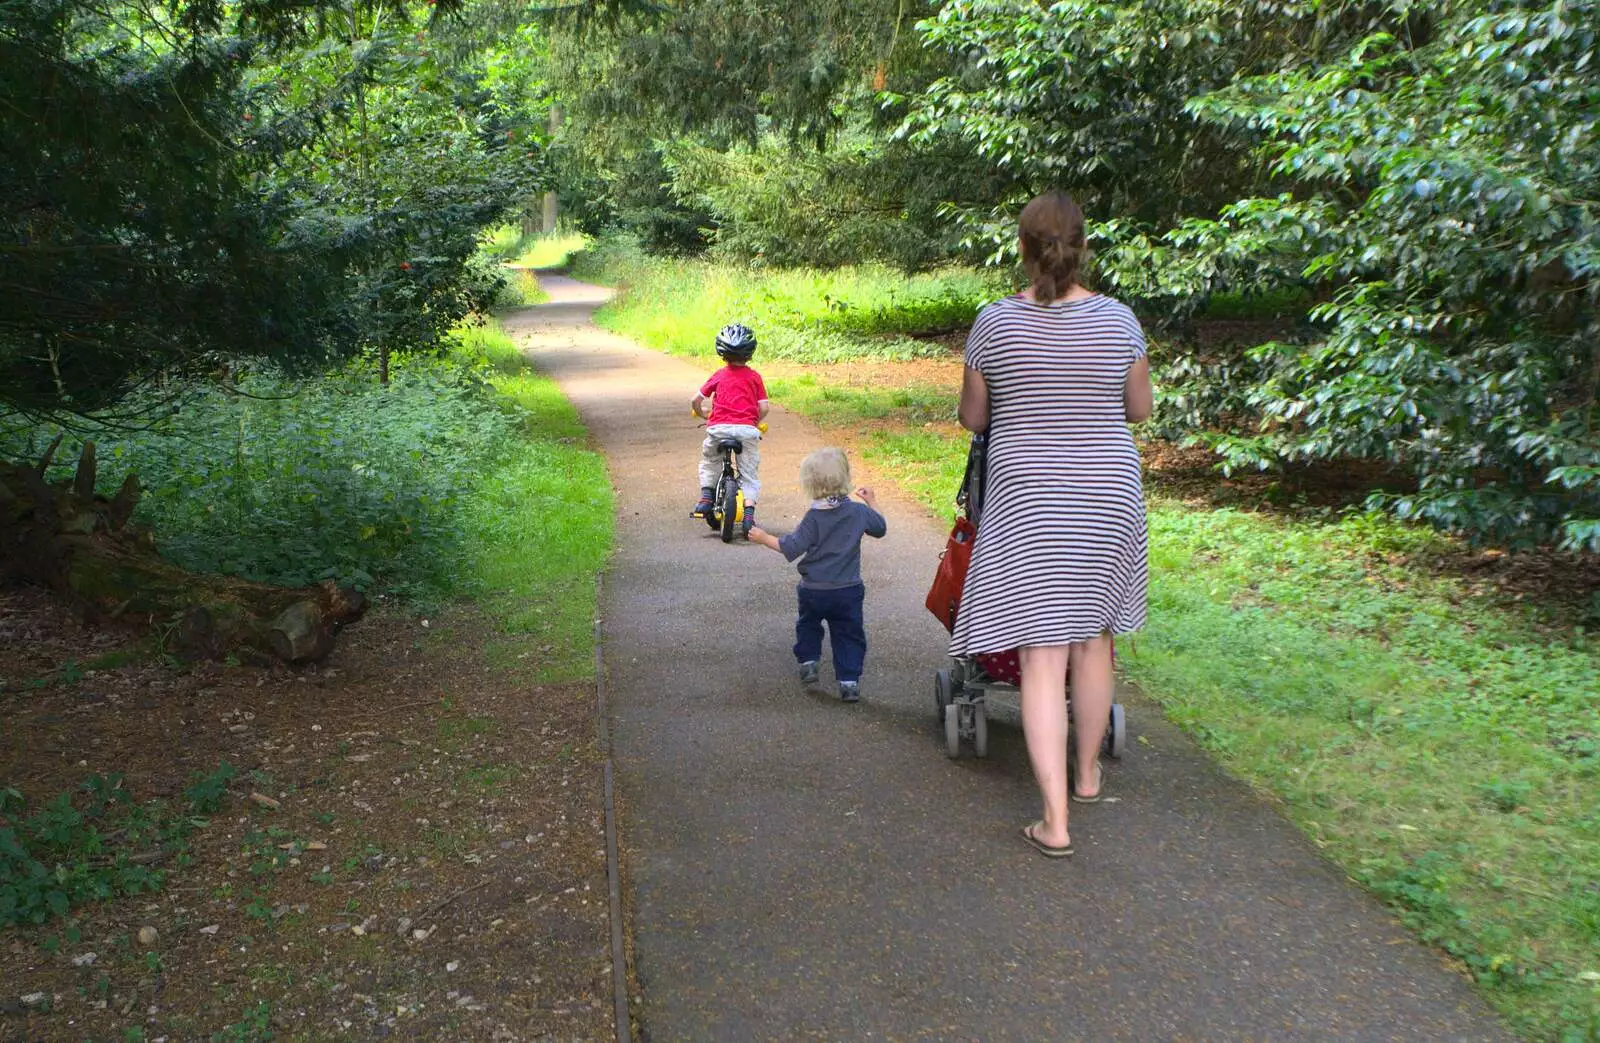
x: 828, y: 543
x: 738, y: 403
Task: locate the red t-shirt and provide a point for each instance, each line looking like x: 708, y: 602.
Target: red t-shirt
x: 735, y: 392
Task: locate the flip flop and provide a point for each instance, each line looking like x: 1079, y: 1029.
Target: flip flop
x: 1099, y: 788
x: 1040, y: 846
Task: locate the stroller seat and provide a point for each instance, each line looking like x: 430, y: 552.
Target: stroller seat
x: 961, y: 690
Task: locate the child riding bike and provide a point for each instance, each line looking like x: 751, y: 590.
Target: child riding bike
x: 738, y: 398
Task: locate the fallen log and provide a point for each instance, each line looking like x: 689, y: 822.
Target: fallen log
x: 66, y: 537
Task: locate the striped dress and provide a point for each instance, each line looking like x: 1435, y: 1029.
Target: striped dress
x: 1061, y: 554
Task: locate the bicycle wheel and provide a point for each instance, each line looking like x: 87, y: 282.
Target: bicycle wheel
x: 718, y: 505
x: 730, y: 508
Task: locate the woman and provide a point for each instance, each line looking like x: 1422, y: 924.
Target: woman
x: 1054, y: 375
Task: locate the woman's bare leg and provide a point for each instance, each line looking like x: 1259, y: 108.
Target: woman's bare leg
x: 1092, y: 686
x: 1044, y: 726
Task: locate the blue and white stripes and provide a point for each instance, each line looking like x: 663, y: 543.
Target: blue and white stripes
x: 1062, y: 553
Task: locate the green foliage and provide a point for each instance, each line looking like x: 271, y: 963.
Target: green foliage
x: 655, y: 104
x: 510, y: 245
x: 281, y: 181
x: 540, y: 526
x: 1459, y: 330
x: 205, y: 793
x: 81, y: 847
x: 611, y: 185
x: 1427, y: 180
x: 131, y: 238
x: 733, y: 67
x: 803, y: 315
x: 783, y: 205
x: 838, y: 406
x: 290, y: 481
x: 254, y: 1027
x: 1091, y: 96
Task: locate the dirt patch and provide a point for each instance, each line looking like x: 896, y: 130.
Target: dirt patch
x: 1190, y: 473
x: 425, y: 858
x: 944, y: 372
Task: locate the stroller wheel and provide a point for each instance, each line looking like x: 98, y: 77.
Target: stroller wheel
x: 943, y: 694
x: 1116, y: 739
x: 980, y: 731
x: 952, y: 731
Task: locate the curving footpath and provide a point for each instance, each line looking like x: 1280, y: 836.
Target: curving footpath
x: 800, y: 869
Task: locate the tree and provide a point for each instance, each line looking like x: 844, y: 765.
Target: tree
x: 193, y: 186
x: 724, y: 121
x: 1428, y: 179
x: 132, y: 243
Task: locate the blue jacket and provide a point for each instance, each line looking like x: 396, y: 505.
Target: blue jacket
x: 828, y: 540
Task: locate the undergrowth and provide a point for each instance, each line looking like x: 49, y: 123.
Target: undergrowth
x: 410, y: 487
x: 95, y: 844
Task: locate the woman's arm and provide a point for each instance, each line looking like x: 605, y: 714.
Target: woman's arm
x: 974, y: 409
x: 1138, y: 398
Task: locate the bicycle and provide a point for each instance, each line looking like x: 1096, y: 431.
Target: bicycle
x: 727, y: 498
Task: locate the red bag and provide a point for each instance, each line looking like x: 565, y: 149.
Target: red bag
x: 944, y: 597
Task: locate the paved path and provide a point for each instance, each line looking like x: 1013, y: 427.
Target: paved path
x: 800, y: 869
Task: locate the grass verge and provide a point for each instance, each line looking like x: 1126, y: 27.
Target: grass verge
x: 801, y: 315
x: 540, y: 523
x: 1439, y: 744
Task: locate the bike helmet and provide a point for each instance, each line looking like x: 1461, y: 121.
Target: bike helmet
x: 736, y: 342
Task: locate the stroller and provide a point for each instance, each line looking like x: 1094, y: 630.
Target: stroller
x: 961, y: 690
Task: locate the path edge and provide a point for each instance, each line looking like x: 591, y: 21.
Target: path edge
x: 619, y: 952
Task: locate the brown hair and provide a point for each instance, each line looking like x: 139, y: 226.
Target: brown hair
x: 1054, y: 248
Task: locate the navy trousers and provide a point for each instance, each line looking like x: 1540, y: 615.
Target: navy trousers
x: 841, y: 610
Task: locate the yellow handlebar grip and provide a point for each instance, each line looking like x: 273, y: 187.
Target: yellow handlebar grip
x: 762, y: 427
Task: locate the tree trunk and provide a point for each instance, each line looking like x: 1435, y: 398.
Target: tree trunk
x: 551, y: 217
x: 80, y: 545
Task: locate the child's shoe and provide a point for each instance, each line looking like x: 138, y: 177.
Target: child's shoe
x: 808, y: 672
x: 749, y: 519
x: 849, y: 691
x: 702, y: 506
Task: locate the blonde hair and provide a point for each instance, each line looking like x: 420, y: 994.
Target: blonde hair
x: 825, y: 473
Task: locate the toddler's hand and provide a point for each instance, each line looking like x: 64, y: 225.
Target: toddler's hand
x: 868, y: 497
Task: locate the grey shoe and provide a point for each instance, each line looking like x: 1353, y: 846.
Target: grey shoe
x: 808, y: 672
x: 849, y: 691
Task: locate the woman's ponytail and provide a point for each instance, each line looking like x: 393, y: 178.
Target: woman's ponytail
x: 1054, y: 247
